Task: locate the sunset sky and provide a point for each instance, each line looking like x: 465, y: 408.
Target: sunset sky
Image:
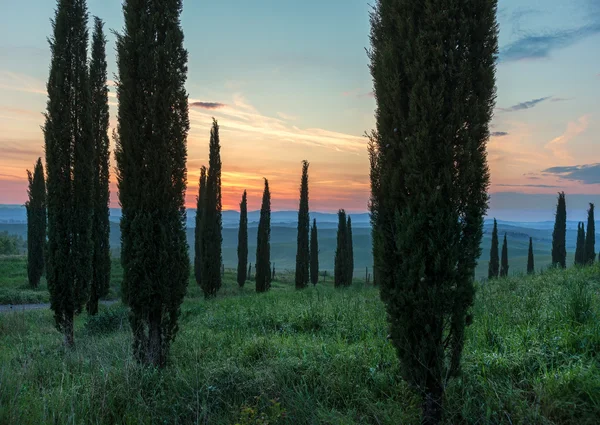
x: 289, y: 80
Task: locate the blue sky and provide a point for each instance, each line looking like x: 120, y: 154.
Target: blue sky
x: 289, y: 80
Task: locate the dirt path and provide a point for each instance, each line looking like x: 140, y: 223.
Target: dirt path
x: 8, y: 308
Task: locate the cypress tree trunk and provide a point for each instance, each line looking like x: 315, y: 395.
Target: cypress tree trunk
x: 263, y: 244
x: 69, y: 154
x: 350, y: 253
x: 212, y: 238
x: 314, y: 253
x: 36, y: 224
x: 302, y: 253
x: 559, y: 248
x: 340, y: 272
x: 100, y: 120
x: 494, y: 265
x: 504, y: 267
x: 242, y: 249
x: 530, y: 262
x: 200, y: 207
x: 151, y: 153
x: 580, y: 247
x: 590, y: 238
x: 433, y: 68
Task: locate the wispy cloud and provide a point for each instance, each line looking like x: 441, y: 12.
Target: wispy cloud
x: 286, y: 116
x: 545, y: 186
x: 21, y: 82
x: 561, y: 99
x: 207, y: 105
x: 499, y: 134
x: 587, y: 173
x: 525, y: 105
x: 574, y: 128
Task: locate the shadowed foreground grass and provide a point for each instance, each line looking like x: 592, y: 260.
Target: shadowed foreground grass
x: 319, y: 356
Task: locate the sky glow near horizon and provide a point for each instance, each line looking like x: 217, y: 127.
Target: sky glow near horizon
x: 287, y: 84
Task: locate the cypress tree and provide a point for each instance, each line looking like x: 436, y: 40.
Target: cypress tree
x: 36, y: 224
x: 341, y: 266
x: 249, y: 271
x: 151, y: 153
x: 212, y: 233
x: 200, y: 205
x: 494, y: 265
x: 100, y: 117
x: 350, y: 251
x: 242, y: 249
x: 504, y: 265
x: 374, y: 174
x: 559, y: 247
x: 590, y: 237
x: 69, y: 165
x: 580, y: 248
x: 530, y: 262
x: 433, y: 68
x: 302, y: 253
x: 314, y: 254
x: 262, y: 266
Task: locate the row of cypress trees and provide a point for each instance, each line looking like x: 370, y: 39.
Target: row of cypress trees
x: 498, y: 268
x: 76, y: 256
x: 344, y: 252
x: 585, y: 251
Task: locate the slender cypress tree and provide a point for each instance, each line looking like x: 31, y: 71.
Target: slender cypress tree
x: 200, y: 206
x: 212, y: 233
x: 151, y: 153
x: 559, y: 247
x: 374, y: 173
x: 580, y: 247
x: 590, y: 237
x: 36, y: 224
x: 100, y: 117
x: 504, y: 265
x: 69, y: 166
x: 530, y: 263
x: 314, y: 254
x: 262, y: 266
x: 494, y: 265
x: 433, y: 68
x: 342, y: 258
x: 302, y: 253
x: 242, y: 249
x: 350, y: 252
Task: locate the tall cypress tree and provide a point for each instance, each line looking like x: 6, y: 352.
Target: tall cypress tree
x: 374, y: 174
x: 504, y: 263
x: 590, y: 237
x: 151, y: 153
x: 262, y: 266
x: 200, y: 206
x: 580, y: 247
x: 559, y: 247
x: 212, y: 238
x: 314, y: 253
x: 36, y: 224
x: 242, y: 249
x: 100, y: 116
x: 302, y: 252
x: 530, y: 262
x: 341, y: 266
x: 350, y: 251
x: 494, y: 265
x: 433, y: 68
x: 69, y: 166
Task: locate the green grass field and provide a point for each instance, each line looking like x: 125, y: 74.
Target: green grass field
x: 319, y: 356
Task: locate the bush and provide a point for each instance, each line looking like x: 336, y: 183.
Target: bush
x: 109, y: 320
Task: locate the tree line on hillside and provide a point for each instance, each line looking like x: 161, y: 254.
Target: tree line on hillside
x: 585, y: 249
x: 428, y: 172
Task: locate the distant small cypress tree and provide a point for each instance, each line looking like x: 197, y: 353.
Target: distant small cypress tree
x: 302, y: 252
x: 242, y: 249
x: 263, y: 244
x: 340, y: 277
x: 559, y: 247
x: 249, y: 275
x: 580, y: 247
x: 494, y: 265
x: 590, y: 238
x: 273, y: 274
x: 200, y: 206
x: 100, y: 283
x: 350, y: 251
x: 530, y: 262
x: 36, y: 224
x: 504, y: 266
x: 314, y: 254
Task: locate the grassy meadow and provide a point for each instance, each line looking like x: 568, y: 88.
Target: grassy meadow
x: 318, y: 356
